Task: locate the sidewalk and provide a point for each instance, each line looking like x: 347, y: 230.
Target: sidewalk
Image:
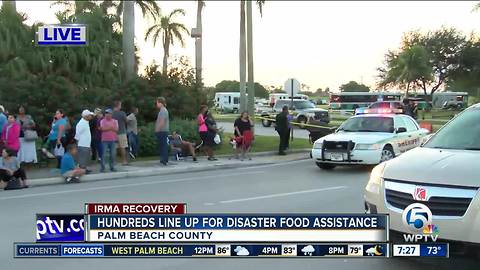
x: 50, y: 176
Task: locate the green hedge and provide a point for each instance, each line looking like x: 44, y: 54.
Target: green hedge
x: 188, y: 129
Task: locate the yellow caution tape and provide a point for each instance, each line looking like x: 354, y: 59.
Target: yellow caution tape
x: 295, y: 123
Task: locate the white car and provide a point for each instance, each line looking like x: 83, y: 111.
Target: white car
x: 368, y: 139
x: 443, y: 176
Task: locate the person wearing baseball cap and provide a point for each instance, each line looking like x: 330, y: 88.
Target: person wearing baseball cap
x: 84, y: 139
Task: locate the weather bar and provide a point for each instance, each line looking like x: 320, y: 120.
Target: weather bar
x: 307, y: 250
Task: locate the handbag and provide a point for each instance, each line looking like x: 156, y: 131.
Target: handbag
x: 59, y: 151
x: 30, y: 135
x: 217, y: 139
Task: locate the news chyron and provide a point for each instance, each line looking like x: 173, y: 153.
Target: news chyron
x: 61, y: 35
x: 126, y: 230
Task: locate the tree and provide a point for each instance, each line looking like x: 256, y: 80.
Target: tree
x: 44, y: 79
x: 406, y: 68
x: 243, y: 51
x: 234, y: 86
x: 476, y: 7
x: 443, y: 52
x: 127, y: 8
x: 467, y: 76
x: 11, y: 3
x: 251, y: 84
x: 321, y: 93
x: 353, y: 86
x: 169, y: 31
x: 242, y: 58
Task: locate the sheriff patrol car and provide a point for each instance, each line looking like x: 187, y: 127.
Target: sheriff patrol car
x: 368, y: 139
x: 436, y: 186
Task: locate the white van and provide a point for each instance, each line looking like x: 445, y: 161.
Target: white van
x: 281, y: 96
x: 227, y: 102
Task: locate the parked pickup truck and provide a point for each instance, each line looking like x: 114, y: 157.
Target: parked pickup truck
x: 303, y: 111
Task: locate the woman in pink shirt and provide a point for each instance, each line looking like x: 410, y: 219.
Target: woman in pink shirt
x: 208, y: 142
x: 109, y: 129
x: 11, y: 134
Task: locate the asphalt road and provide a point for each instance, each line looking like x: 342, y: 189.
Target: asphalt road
x: 265, y: 131
x: 293, y: 187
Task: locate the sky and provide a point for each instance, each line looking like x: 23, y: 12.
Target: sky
x: 320, y: 43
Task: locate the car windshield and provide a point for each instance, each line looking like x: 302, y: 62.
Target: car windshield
x: 298, y: 104
x: 461, y: 133
x: 368, y: 124
x: 301, y: 105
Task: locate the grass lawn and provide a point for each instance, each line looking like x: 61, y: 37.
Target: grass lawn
x: 262, y: 144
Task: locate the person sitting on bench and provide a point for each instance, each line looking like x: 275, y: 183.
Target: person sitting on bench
x: 181, y: 146
x: 10, y: 170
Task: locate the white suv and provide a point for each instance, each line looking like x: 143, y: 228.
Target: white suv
x: 443, y: 175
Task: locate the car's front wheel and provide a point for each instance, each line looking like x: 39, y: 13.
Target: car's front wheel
x: 302, y: 121
x: 387, y: 153
x: 325, y: 166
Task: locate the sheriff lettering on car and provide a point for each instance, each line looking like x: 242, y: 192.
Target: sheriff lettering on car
x: 368, y: 139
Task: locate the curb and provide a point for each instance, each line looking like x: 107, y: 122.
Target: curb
x: 157, y: 170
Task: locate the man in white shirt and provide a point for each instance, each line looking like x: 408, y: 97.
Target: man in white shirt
x: 84, y: 139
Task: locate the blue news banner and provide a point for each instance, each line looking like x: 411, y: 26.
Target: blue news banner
x: 259, y: 228
x: 72, y: 227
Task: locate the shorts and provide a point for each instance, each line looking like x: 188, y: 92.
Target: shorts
x: 122, y: 141
x: 70, y: 173
x: 83, y: 156
x: 207, y: 138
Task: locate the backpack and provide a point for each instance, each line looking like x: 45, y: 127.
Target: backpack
x: 14, y: 183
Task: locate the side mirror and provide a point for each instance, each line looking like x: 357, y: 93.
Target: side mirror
x: 401, y: 130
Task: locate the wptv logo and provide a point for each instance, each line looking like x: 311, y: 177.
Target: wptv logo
x: 417, y: 217
x: 61, y: 35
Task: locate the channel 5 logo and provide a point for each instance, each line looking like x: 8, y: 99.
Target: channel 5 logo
x: 417, y: 218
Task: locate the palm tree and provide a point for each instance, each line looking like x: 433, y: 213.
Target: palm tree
x: 10, y: 3
x: 128, y: 9
x: 251, y: 84
x: 476, y: 7
x: 406, y: 68
x: 243, y: 101
x: 198, y: 44
x: 169, y: 31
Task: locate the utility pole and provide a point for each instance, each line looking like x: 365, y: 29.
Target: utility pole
x: 198, y: 44
x: 251, y: 82
x: 242, y: 55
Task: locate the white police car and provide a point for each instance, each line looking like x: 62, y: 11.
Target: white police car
x: 443, y: 176
x: 368, y: 139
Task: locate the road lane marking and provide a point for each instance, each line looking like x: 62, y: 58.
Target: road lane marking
x: 282, y: 194
x: 127, y: 185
